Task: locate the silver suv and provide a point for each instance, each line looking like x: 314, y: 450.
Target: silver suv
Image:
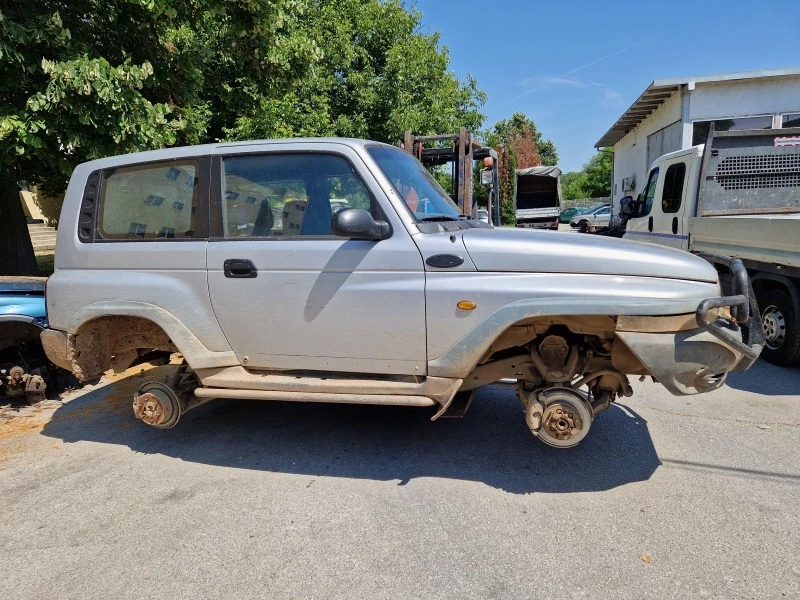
x: 335, y: 270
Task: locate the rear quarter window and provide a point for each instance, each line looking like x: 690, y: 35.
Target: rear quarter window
x: 149, y: 202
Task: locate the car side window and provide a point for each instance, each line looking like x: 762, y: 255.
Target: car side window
x: 672, y: 194
x: 149, y: 202
x: 645, y: 202
x: 275, y: 195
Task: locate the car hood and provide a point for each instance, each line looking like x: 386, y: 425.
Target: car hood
x: 524, y: 250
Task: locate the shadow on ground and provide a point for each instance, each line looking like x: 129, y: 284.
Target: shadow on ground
x: 767, y: 379
x: 490, y: 445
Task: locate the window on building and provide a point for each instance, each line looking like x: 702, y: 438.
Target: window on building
x: 147, y: 201
x: 664, y: 141
x: 700, y: 128
x: 672, y: 193
x: 791, y: 120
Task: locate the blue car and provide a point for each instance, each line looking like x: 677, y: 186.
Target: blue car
x: 25, y: 371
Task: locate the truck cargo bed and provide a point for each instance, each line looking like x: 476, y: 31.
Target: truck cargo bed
x: 762, y: 238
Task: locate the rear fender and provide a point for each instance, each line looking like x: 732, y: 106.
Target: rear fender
x: 100, y: 330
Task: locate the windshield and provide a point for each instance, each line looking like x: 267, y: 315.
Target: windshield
x: 421, y: 193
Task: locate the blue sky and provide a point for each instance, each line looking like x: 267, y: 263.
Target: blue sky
x: 575, y: 66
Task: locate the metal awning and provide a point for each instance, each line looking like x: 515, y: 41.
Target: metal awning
x: 654, y: 96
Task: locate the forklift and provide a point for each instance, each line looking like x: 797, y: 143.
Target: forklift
x: 459, y: 150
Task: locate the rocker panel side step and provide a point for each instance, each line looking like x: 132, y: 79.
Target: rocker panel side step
x: 289, y: 396
x: 240, y: 380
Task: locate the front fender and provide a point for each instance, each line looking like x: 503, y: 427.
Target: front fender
x: 462, y: 357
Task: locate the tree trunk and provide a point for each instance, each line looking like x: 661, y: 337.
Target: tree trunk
x: 16, y: 249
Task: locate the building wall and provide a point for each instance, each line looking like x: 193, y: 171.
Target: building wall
x: 744, y: 98
x: 38, y: 207
x: 630, y: 153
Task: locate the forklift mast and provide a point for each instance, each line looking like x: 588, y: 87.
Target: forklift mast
x: 459, y: 150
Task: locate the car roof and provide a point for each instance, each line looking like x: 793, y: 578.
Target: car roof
x: 208, y: 149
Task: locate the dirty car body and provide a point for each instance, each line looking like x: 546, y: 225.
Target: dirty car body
x: 235, y: 256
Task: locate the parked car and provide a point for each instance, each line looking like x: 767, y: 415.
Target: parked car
x: 25, y: 371
x: 592, y: 219
x: 397, y: 300
x: 483, y: 215
x: 568, y: 213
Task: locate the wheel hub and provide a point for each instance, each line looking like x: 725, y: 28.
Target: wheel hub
x: 560, y: 417
x: 157, y: 405
x: 774, y: 327
x: 562, y: 421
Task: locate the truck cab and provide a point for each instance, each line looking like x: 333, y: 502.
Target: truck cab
x: 739, y: 199
x: 669, y: 196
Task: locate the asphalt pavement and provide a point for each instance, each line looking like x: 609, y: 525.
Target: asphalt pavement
x: 668, y: 497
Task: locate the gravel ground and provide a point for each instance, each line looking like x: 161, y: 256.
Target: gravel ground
x: 690, y: 497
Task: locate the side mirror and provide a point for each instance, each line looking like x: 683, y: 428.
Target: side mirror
x: 358, y: 224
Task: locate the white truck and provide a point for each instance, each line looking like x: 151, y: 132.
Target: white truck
x: 741, y: 199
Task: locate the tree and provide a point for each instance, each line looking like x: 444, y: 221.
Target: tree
x: 519, y: 145
x: 593, y: 181
x: 378, y: 77
x: 506, y: 168
x: 91, y: 78
x: 519, y: 126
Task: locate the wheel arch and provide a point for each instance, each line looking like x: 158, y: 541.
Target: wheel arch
x: 464, y: 355
x: 103, y: 331
x: 769, y: 281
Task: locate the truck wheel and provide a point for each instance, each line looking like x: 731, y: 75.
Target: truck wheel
x: 781, y: 328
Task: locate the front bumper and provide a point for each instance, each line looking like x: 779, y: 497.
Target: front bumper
x: 699, y: 360
x: 744, y: 313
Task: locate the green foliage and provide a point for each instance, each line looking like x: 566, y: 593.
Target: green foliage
x: 506, y: 167
x: 503, y: 132
x: 441, y: 174
x: 377, y: 77
x: 91, y: 78
x: 593, y: 181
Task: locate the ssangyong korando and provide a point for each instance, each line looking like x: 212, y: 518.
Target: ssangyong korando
x: 337, y: 270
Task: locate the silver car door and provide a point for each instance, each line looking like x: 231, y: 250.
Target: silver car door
x: 290, y: 295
